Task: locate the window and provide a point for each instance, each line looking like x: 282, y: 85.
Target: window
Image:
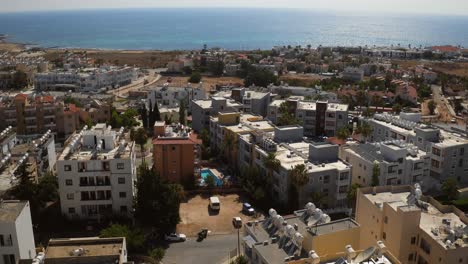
x: 385, y: 219
x: 121, y: 180
x: 436, y: 151
x: 84, y: 196
x: 462, y: 151
x: 67, y: 167
x: 83, y: 181
x: 122, y: 194
x: 71, y: 210
x: 435, y: 163
x: 120, y: 166
x: 70, y: 196
x: 400, y: 171
x: 2, y: 241
x: 413, y: 240
x: 9, y: 259
x: 326, y: 179
x: 105, y: 166
x: 123, y: 209
x: 384, y: 235
x: 460, y: 163
x: 81, y: 166
x: 426, y: 247
x: 68, y: 182
x: 410, y: 257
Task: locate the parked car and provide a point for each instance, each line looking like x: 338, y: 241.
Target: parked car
x: 215, y: 204
x: 248, y: 209
x: 174, y: 237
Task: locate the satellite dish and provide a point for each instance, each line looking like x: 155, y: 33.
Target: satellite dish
x: 365, y: 255
x: 272, y: 212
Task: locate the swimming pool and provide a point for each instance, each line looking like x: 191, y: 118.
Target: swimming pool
x: 207, y: 172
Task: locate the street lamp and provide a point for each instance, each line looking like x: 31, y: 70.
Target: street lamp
x: 237, y: 224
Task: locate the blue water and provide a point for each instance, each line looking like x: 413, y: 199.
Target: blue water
x: 205, y: 173
x: 169, y: 29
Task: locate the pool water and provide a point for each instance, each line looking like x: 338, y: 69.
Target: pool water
x: 205, y: 173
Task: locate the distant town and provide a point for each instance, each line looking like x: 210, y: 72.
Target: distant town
x: 295, y: 155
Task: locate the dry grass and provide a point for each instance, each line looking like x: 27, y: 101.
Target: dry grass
x: 457, y: 68
x: 144, y: 59
x: 300, y: 79
x: 208, y: 83
x: 11, y: 47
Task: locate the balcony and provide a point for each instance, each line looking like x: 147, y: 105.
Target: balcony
x: 341, y: 196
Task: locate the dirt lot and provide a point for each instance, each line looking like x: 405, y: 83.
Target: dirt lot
x: 195, y: 215
x: 301, y: 79
x: 145, y: 59
x: 208, y: 83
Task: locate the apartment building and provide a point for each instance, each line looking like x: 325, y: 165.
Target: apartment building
x: 353, y: 74
x: 228, y: 126
x: 285, y: 89
x: 309, y: 237
x: 170, y: 97
x: 416, y: 229
x: 85, y: 80
x: 89, y: 250
x: 97, y: 173
x: 327, y: 174
x: 203, y: 110
x: 318, y: 118
x: 254, y: 102
x: 16, y: 232
x: 447, y: 150
x: 398, y: 163
x: 176, y: 153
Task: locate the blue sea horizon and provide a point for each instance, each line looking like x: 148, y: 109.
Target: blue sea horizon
x: 230, y: 28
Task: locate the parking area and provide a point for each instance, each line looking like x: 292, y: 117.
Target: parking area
x: 195, y: 214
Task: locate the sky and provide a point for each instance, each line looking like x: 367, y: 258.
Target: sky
x: 456, y: 7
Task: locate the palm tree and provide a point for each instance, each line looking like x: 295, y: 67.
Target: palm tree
x: 228, y: 146
x: 343, y: 133
x: 271, y: 163
x: 364, y: 129
x: 299, y: 178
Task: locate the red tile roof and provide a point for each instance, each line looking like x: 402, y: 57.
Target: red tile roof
x: 446, y: 48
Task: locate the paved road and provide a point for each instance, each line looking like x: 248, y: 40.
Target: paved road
x: 214, y: 249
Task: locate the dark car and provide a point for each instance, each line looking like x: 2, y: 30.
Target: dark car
x: 248, y: 209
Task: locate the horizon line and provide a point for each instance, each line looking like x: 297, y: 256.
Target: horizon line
x: 354, y: 11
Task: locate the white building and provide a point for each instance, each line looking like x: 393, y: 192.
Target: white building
x: 85, y: 80
x: 170, y: 97
x: 353, y: 74
x: 448, y: 151
x: 97, y: 173
x: 327, y: 174
x: 16, y: 232
x: 202, y: 110
x: 318, y: 118
x: 399, y: 163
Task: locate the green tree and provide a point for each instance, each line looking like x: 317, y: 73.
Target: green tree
x: 144, y: 116
x: 134, y: 237
x: 195, y: 77
x: 156, y: 114
x: 227, y: 147
x: 375, y: 174
x: 157, y: 254
x: 20, y: 80
x: 450, y: 188
x: 182, y: 112
x: 364, y: 129
x: 155, y: 198
x: 187, y: 70
x: 210, y: 181
x: 141, y: 138
x: 261, y: 78
x: 431, y: 105
x: 298, y: 177
x: 352, y: 194
x: 217, y: 67
x: 396, y: 108
x: 271, y: 163
x: 241, y: 260
x: 287, y: 116
x: 343, y: 133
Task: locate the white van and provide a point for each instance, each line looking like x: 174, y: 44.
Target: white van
x: 214, y: 203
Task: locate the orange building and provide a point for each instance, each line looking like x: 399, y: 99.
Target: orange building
x: 176, y: 152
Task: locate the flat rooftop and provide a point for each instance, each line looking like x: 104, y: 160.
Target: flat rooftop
x: 93, y: 247
x: 10, y: 210
x: 431, y: 218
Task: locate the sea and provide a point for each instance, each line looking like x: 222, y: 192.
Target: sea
x: 233, y: 28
